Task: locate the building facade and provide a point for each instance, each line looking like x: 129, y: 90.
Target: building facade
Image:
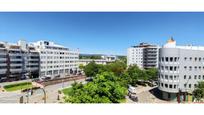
x: 105, y: 59
x: 56, y: 60
x: 18, y: 61
x: 180, y: 70
x: 143, y: 55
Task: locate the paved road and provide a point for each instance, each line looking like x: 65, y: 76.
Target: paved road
x: 10, y: 97
x: 51, y: 91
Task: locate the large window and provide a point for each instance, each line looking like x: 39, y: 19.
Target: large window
x: 171, y: 77
x: 167, y: 59
x: 185, y: 85
x: 189, y: 85
x: 174, y: 86
x: 166, y: 77
x: 196, y: 58
x: 166, y: 85
x: 171, y: 68
x: 184, y: 77
x: 171, y: 59
x: 170, y: 86
x: 162, y: 59
x: 190, y: 68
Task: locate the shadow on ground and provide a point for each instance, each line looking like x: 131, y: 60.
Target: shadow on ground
x: 157, y: 93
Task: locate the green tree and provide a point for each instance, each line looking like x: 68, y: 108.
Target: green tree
x: 198, y: 93
x: 116, y: 67
x: 152, y: 74
x: 81, y: 66
x: 91, y: 69
x: 104, y: 89
x: 136, y: 75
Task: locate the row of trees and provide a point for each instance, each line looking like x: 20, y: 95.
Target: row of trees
x: 110, y: 82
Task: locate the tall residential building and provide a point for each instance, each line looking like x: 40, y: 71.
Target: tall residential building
x: 143, y: 55
x: 56, y: 60
x: 180, y: 70
x: 18, y: 61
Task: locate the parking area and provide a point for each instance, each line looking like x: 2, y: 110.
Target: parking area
x: 147, y: 94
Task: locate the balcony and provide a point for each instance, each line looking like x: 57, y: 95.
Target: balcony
x: 16, y: 70
x: 14, y: 64
x: 32, y: 69
x: 15, y: 59
x: 3, y: 59
x: 3, y: 64
x: 3, y: 71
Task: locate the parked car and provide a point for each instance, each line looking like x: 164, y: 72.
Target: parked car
x: 132, y: 93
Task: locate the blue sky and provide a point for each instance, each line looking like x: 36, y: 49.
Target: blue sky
x: 107, y: 33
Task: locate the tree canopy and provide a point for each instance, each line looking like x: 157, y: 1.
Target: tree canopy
x: 198, y: 93
x: 103, y: 89
x: 110, y: 82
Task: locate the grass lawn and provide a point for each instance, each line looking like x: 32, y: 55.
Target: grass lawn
x: 66, y: 91
x: 18, y: 86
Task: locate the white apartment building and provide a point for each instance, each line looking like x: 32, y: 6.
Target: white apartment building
x: 18, y: 61
x: 144, y: 55
x: 56, y: 60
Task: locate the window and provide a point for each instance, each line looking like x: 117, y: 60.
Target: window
x: 166, y: 77
x: 171, y: 59
x: 166, y: 85
x: 174, y: 86
x: 162, y: 67
x: 175, y: 77
x: 190, y: 58
x: 199, y: 58
x: 185, y: 58
x: 166, y: 68
x: 170, y: 86
x: 195, y: 85
x: 174, y: 68
x: 189, y: 77
x: 189, y: 85
x: 195, y: 67
x: 162, y: 59
x: 199, y: 77
x: 190, y: 68
x: 195, y: 77
x: 185, y: 67
x: 171, y: 77
x: 162, y: 84
x: 184, y: 77
x: 185, y: 85
x: 175, y: 59
x: 167, y: 59
x: 195, y: 58
x: 171, y: 68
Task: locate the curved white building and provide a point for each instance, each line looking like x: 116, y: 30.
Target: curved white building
x: 180, y: 70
